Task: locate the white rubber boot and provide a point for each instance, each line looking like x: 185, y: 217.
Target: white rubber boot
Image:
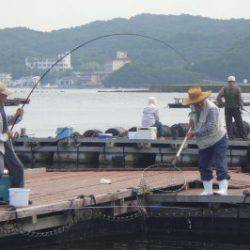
x: 208, y: 188
x: 223, y: 186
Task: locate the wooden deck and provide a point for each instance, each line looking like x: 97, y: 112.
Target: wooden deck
x: 57, y: 191
x: 50, y: 187
x: 54, y: 194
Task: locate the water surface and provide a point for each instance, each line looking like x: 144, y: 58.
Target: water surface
x: 88, y: 109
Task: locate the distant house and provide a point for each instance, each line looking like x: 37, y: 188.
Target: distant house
x: 46, y: 63
x: 67, y: 81
x: 5, y: 78
x: 26, y: 81
x: 90, y: 77
x: 98, y: 77
x: 81, y: 79
x: 120, y: 60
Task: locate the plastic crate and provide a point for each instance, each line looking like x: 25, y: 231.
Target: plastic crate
x: 62, y: 133
x: 149, y: 133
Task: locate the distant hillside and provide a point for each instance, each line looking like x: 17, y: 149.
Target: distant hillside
x: 234, y: 61
x: 134, y: 76
x: 205, y: 42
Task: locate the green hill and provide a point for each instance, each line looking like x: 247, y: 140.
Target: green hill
x: 234, y: 61
x: 134, y: 76
x: 216, y: 47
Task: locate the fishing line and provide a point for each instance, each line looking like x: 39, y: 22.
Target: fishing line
x: 93, y: 40
x: 248, y: 112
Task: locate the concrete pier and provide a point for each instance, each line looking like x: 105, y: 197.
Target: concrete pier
x: 120, y: 152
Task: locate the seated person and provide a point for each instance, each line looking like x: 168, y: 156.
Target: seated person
x: 150, y: 117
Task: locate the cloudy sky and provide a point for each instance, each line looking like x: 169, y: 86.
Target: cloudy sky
x: 47, y: 15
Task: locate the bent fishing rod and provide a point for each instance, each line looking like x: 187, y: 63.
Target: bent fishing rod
x: 93, y: 40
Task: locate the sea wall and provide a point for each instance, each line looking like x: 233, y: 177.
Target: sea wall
x: 245, y: 88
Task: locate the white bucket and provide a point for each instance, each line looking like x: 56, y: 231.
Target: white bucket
x: 19, y: 197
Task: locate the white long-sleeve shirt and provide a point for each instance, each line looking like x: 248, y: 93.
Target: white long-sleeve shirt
x: 209, y: 128
x: 150, y: 115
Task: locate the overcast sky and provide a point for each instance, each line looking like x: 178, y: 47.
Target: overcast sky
x: 47, y: 15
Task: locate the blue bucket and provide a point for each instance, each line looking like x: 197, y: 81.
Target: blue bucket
x: 65, y: 132
x: 4, y: 187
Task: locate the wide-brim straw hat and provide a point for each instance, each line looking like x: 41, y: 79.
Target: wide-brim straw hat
x: 4, y: 90
x: 195, y: 96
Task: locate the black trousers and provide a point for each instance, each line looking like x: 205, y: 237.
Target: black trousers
x: 14, y: 166
x: 235, y: 113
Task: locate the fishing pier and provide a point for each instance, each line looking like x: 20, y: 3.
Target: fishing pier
x: 97, y: 187
x: 63, y: 200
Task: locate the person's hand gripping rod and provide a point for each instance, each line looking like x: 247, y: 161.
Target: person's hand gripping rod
x: 181, y: 147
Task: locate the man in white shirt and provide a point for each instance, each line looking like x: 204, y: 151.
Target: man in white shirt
x: 150, y: 117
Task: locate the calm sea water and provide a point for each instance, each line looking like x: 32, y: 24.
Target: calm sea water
x: 88, y: 109
x: 134, y: 242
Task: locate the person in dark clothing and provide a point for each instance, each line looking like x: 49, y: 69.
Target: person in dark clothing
x: 8, y: 158
x: 233, y: 105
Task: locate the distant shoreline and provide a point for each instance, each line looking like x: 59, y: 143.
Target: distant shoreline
x: 176, y: 88
x: 180, y: 88
x: 173, y: 88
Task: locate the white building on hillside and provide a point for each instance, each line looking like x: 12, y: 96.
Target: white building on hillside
x: 121, y: 59
x: 46, y: 63
x: 5, y: 78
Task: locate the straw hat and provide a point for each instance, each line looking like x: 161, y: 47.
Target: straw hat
x: 4, y: 90
x: 195, y: 96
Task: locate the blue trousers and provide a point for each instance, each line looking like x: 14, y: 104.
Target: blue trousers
x: 216, y: 155
x: 159, y: 128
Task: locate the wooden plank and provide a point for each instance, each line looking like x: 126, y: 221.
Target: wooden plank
x: 229, y: 199
x: 58, y: 191
x: 44, y: 223
x: 193, y: 196
x: 62, y: 206
x: 34, y: 170
x: 163, y: 168
x: 55, y: 191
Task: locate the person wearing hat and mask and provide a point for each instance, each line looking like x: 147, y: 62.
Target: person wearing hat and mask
x: 233, y: 105
x: 150, y: 117
x: 211, y: 137
x: 8, y: 158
